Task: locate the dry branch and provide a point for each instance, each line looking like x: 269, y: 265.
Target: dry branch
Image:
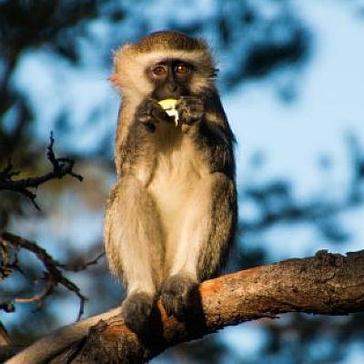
x: 52, y: 275
x: 61, y: 167
x: 329, y: 284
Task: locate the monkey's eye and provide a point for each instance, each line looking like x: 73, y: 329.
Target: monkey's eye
x: 159, y: 71
x: 182, y: 69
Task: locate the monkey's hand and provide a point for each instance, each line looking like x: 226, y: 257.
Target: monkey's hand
x: 177, y: 294
x: 190, y: 110
x: 150, y: 113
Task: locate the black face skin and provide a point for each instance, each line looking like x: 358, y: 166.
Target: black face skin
x: 171, y: 78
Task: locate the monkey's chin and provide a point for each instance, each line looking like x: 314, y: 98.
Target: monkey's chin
x: 169, y: 106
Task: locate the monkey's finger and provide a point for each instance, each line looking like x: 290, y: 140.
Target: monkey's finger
x: 160, y: 115
x: 145, y: 118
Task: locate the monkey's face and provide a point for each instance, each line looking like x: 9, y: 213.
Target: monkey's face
x: 171, y: 78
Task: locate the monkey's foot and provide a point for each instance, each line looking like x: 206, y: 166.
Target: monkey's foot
x: 176, y: 294
x: 136, y: 311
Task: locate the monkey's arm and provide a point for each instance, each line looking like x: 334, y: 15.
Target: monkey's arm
x: 215, y: 143
x: 138, y: 130
x: 205, y: 121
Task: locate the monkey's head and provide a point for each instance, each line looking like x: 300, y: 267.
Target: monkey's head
x: 164, y: 65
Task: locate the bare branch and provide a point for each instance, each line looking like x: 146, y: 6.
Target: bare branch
x: 4, y: 337
x: 61, y: 168
x: 53, y: 275
x: 82, y: 266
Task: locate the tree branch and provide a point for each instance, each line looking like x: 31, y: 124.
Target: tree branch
x: 53, y: 274
x: 61, y: 168
x: 329, y: 284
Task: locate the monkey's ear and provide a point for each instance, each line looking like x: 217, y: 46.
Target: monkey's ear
x: 115, y: 80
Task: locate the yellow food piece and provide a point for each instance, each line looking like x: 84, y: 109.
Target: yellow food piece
x: 169, y: 105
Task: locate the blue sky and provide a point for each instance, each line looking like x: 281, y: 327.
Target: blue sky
x: 329, y: 104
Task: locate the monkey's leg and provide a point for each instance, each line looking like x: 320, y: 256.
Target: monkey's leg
x: 206, y: 234
x: 133, y: 242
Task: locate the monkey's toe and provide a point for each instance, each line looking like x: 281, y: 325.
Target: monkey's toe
x: 176, y: 294
x: 136, y: 311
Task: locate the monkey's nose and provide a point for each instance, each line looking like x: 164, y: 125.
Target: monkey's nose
x: 172, y: 87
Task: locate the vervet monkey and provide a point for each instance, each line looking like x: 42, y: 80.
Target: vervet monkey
x: 171, y: 216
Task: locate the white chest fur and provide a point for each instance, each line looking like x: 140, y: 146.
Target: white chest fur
x: 178, y: 170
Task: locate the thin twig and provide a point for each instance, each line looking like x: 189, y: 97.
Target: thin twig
x: 61, y: 168
x: 82, y: 266
x: 53, y: 276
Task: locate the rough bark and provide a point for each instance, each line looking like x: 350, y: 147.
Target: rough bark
x: 329, y: 284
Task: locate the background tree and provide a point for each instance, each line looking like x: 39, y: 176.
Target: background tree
x: 54, y: 62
